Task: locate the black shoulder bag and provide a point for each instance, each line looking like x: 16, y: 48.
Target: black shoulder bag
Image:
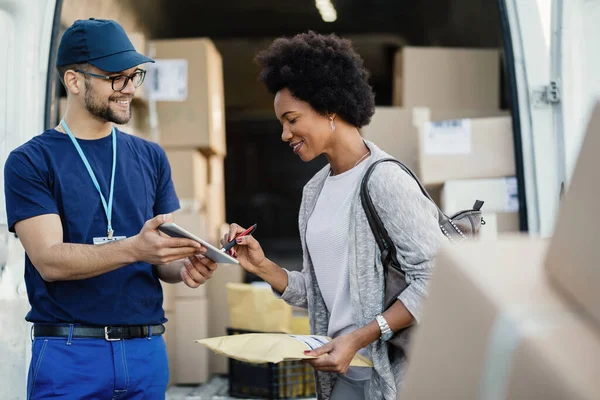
x: 456, y: 228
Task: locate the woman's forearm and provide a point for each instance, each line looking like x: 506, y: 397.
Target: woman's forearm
x: 274, y: 275
x: 397, y: 317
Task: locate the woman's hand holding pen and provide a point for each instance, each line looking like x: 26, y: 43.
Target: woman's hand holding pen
x: 247, y: 249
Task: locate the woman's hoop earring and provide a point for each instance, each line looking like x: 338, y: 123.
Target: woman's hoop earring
x: 332, y: 124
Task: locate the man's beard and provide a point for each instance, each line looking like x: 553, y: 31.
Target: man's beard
x: 103, y: 111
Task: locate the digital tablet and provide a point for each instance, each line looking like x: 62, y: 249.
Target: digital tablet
x: 218, y: 256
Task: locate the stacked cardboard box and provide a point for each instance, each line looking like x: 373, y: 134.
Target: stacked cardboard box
x: 218, y: 316
x: 517, y: 318
x: 186, y: 84
x: 466, y: 149
x: 447, y: 125
x: 397, y: 131
x: 480, y: 147
x: 572, y: 261
x: 501, y: 202
x: 449, y: 78
x: 187, y: 312
x: 189, y: 171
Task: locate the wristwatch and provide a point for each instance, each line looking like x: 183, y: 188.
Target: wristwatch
x: 386, y: 332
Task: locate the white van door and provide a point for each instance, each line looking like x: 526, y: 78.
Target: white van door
x: 527, y: 42
x: 553, y: 55
x: 26, y: 29
x: 575, y: 59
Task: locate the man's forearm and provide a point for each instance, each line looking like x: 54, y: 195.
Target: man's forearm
x: 170, y: 273
x: 68, y: 261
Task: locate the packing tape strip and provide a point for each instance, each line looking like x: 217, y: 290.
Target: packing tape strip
x: 509, y: 329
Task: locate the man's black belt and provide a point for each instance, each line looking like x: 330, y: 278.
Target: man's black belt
x: 109, y: 333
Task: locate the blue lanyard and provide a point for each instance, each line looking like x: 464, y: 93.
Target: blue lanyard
x: 107, y: 207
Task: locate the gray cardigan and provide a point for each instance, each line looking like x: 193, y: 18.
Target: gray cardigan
x: 411, y: 221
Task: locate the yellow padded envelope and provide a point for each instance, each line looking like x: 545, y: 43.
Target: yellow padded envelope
x: 259, y: 348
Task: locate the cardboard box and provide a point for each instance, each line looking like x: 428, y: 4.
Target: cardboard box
x: 499, y: 224
x: 546, y: 368
x: 170, y: 340
x: 138, y: 40
x: 447, y: 78
x: 187, y: 84
x: 493, y: 325
x: 216, y: 169
x: 498, y: 194
x: 300, y: 321
x: 168, y: 296
x: 218, y: 315
x: 191, y: 360
x: 196, y: 223
x: 395, y: 129
x: 572, y: 261
x: 252, y: 307
x: 182, y: 291
x: 216, y: 210
x: 216, y: 198
x: 466, y: 149
x: 189, y: 171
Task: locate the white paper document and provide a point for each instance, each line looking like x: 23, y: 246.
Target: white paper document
x: 312, y: 341
x: 447, y: 137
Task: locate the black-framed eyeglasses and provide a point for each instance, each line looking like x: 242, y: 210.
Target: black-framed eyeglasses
x: 120, y: 82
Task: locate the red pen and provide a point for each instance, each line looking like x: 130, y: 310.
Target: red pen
x: 248, y: 231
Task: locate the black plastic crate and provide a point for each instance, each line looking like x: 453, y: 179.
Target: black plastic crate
x: 285, y: 380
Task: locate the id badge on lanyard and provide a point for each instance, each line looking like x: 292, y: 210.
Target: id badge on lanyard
x: 106, y: 239
x: 107, y: 206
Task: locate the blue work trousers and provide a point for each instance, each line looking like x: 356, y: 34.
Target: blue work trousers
x: 98, y: 369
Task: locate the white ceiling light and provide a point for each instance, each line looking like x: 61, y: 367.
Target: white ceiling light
x: 327, y: 10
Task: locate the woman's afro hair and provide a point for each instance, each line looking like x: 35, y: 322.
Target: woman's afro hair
x: 323, y: 70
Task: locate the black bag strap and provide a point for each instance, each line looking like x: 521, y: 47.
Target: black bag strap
x: 384, y: 242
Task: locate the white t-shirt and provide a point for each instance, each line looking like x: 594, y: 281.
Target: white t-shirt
x: 328, y: 246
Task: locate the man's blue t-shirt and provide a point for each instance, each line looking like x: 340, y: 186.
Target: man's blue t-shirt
x: 47, y: 176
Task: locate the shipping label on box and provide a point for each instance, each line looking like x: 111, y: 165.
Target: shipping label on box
x: 447, y: 137
x: 167, y: 80
x: 512, y: 194
x: 491, y: 154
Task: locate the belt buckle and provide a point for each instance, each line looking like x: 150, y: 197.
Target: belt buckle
x: 106, y: 336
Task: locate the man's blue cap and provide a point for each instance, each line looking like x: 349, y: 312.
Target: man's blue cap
x: 102, y: 43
